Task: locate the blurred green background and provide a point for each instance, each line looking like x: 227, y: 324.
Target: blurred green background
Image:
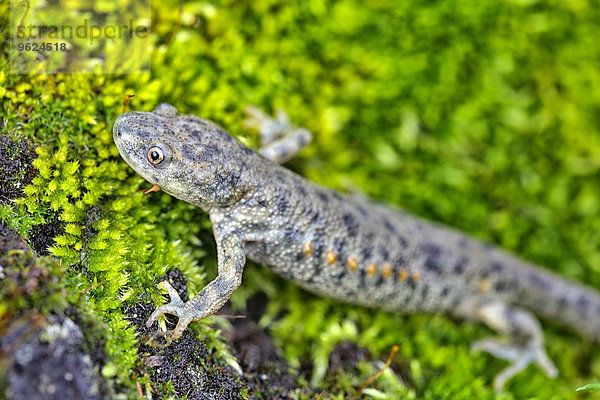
x: 482, y: 115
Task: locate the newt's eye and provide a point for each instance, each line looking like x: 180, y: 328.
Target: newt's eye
x: 159, y: 155
x: 156, y: 155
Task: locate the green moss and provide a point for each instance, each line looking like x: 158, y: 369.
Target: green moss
x: 483, y: 116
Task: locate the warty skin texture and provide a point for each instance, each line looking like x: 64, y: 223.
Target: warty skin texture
x: 346, y: 247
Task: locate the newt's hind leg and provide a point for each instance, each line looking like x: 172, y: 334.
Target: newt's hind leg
x: 526, y: 344
x: 280, y: 140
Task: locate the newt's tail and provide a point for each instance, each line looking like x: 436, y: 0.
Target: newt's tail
x: 556, y: 298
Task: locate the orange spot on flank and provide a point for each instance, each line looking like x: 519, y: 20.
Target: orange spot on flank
x: 416, y: 276
x: 403, y: 274
x: 387, y: 271
x: 371, y: 269
x: 307, y: 248
x: 484, y: 286
x: 331, y: 257
x: 353, y: 263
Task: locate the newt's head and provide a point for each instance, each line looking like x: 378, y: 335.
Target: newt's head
x: 188, y: 157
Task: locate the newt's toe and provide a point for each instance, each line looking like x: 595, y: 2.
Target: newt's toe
x: 519, y: 356
x: 175, y: 307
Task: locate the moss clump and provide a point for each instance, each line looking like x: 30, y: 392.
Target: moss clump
x: 483, y: 117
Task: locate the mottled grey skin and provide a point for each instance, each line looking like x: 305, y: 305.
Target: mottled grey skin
x: 345, y: 247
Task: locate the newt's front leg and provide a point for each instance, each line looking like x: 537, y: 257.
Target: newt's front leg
x: 280, y: 141
x: 231, y: 260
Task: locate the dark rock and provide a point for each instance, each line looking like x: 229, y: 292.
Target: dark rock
x: 46, y: 361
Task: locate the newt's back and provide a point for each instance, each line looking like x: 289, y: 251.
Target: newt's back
x: 360, y: 251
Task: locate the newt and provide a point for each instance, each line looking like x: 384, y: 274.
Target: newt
x: 343, y: 246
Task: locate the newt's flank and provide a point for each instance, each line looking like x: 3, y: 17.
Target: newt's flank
x: 345, y: 247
